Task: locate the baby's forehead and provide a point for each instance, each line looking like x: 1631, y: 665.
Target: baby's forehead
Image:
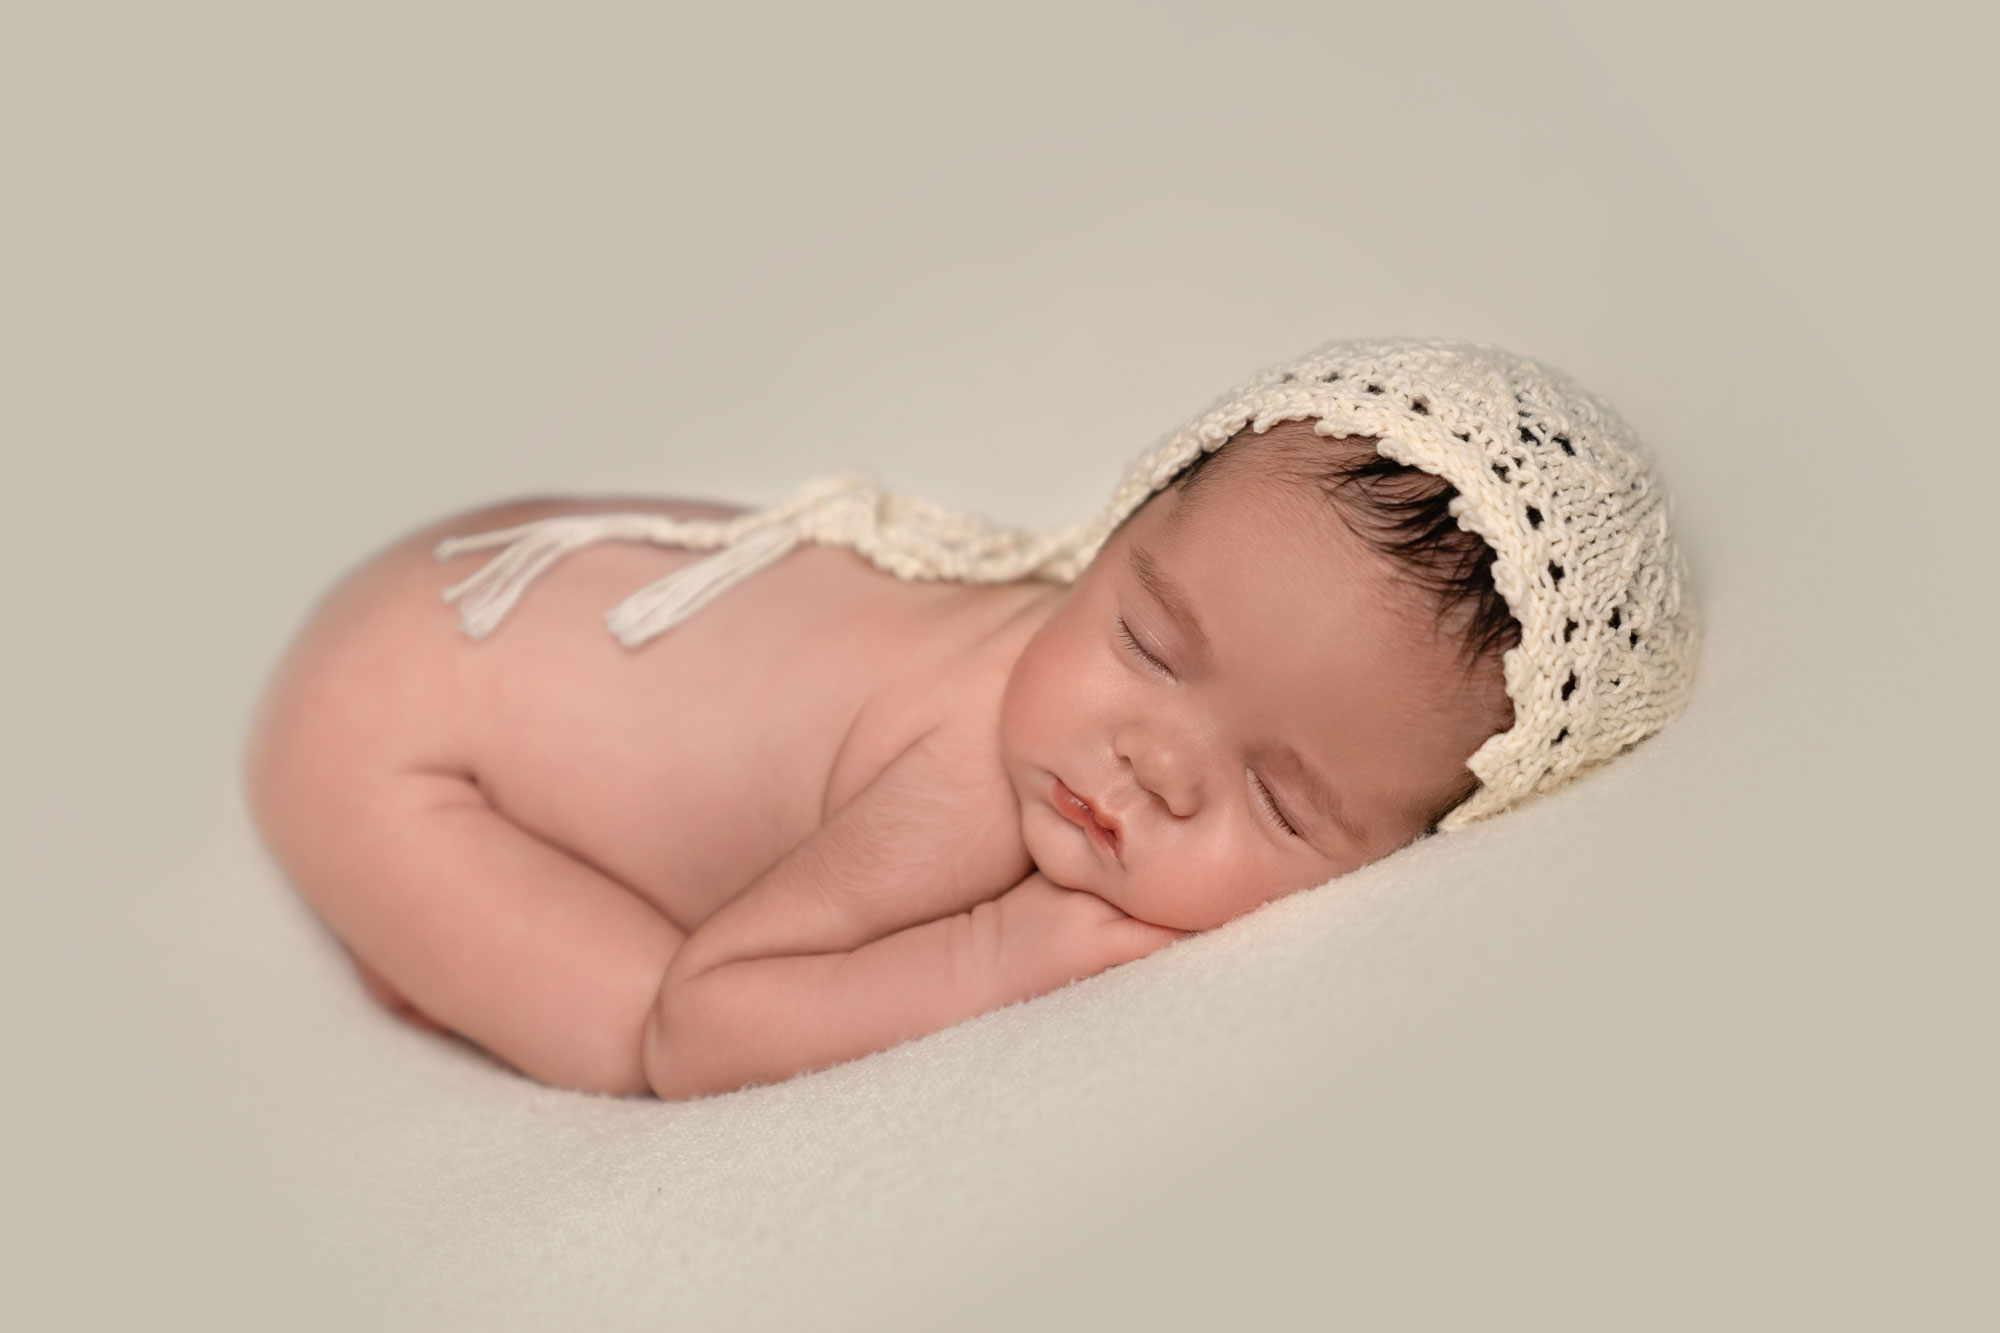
x: 1287, y: 465
x: 1279, y: 511
x: 1257, y: 536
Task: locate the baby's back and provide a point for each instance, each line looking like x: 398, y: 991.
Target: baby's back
x: 682, y: 769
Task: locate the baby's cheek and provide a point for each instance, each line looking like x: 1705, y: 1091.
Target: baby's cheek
x: 1049, y: 676
x: 1025, y: 698
x: 1202, y: 892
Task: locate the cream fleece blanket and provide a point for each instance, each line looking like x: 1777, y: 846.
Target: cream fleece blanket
x: 1699, y: 1042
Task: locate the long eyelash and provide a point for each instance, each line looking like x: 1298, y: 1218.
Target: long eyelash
x: 1125, y: 633
x: 1270, y: 804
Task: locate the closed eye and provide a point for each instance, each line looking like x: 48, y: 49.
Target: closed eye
x: 1270, y: 804
x: 1138, y: 649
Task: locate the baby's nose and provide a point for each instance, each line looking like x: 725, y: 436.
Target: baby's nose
x: 1164, y: 768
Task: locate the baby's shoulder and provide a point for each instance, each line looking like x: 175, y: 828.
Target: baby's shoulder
x: 945, y: 691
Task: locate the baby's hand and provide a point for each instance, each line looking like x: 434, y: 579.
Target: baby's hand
x: 1050, y: 936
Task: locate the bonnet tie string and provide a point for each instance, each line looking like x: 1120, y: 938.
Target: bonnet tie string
x: 661, y: 605
x: 909, y: 538
x: 742, y: 546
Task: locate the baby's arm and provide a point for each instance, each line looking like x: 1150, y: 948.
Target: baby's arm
x: 906, y: 912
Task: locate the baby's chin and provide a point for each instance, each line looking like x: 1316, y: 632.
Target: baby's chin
x: 1060, y: 852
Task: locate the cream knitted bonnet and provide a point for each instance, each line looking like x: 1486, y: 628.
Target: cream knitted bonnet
x: 1546, y: 474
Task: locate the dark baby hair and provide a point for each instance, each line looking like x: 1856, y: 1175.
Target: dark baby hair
x: 1401, y: 511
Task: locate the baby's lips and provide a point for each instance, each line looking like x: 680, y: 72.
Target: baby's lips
x: 1082, y: 813
x: 1107, y: 822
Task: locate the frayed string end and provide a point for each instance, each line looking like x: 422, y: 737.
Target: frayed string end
x: 660, y: 606
x: 489, y: 594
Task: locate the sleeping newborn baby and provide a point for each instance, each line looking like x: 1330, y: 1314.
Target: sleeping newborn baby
x: 911, y: 767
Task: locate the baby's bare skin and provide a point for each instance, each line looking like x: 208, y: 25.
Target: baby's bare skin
x: 618, y: 798
x: 835, y: 810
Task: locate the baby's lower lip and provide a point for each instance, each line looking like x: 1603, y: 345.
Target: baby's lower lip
x: 1077, y: 811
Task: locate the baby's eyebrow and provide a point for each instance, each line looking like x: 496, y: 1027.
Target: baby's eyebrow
x: 1172, y: 596
x: 1318, y: 791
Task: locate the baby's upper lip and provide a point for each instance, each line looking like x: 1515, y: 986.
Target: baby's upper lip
x: 1106, y: 824
x: 1105, y: 818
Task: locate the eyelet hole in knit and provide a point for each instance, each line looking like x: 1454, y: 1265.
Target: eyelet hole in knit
x: 1500, y: 471
x: 1529, y: 437
x: 1534, y: 517
x: 1614, y: 617
x: 1569, y: 628
x: 1563, y: 440
x: 1555, y: 573
x: 1560, y: 736
x: 1374, y: 388
x: 1420, y: 407
x: 1569, y: 687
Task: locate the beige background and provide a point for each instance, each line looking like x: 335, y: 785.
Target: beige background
x: 1704, y: 1043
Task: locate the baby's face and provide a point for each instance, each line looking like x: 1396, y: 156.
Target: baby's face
x: 1238, y: 699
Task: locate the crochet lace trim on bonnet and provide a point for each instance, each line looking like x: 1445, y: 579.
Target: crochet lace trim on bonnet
x: 1546, y: 474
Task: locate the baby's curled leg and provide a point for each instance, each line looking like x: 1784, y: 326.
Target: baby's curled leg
x: 482, y: 927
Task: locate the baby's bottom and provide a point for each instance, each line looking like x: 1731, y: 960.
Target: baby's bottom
x: 459, y: 917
